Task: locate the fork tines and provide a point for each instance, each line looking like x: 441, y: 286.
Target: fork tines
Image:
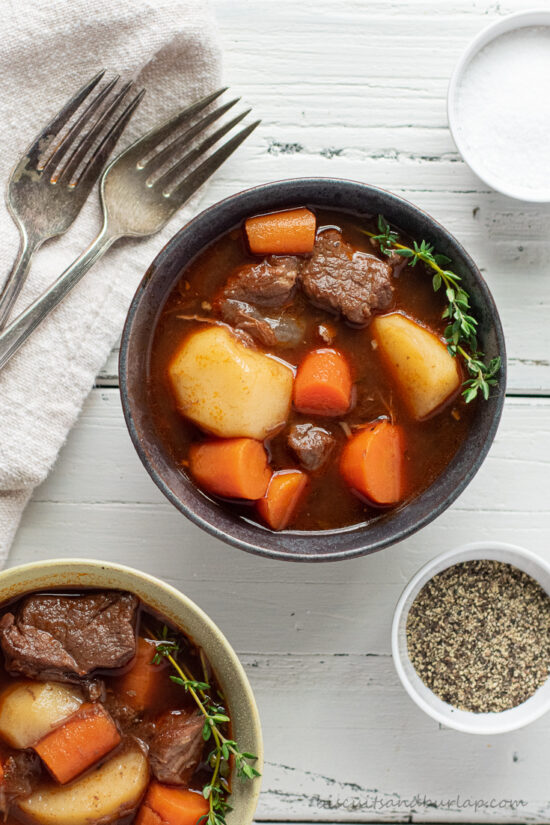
x: 80, y: 139
x: 165, y: 154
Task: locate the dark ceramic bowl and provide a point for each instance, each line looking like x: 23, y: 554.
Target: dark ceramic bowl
x: 136, y: 341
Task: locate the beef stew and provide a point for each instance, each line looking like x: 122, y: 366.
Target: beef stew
x: 95, y: 725
x: 301, y: 354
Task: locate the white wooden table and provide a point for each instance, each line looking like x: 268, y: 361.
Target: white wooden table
x: 353, y: 89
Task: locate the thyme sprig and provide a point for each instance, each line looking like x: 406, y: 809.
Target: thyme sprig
x: 224, y: 749
x: 461, y: 331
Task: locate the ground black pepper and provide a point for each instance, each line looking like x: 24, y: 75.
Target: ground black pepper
x: 478, y: 635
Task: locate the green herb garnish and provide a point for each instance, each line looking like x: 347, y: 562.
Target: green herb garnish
x: 224, y: 750
x: 461, y: 332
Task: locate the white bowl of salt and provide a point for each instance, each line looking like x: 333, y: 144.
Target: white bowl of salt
x: 499, y: 106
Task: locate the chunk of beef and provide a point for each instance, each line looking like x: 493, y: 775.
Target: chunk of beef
x: 397, y: 263
x: 94, y: 690
x: 268, y: 284
x: 121, y: 711
x: 313, y: 445
x: 66, y: 638
x: 341, y: 279
x: 176, y: 748
x: 270, y: 330
x: 21, y: 773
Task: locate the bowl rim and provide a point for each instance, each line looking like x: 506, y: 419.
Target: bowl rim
x: 437, y: 564
x: 509, y: 23
x: 365, y: 547
x: 24, y: 575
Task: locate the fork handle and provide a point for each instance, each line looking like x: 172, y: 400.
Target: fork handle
x: 14, y: 335
x: 17, y: 277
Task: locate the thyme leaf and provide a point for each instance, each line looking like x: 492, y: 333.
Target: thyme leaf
x: 461, y: 331
x: 224, y: 750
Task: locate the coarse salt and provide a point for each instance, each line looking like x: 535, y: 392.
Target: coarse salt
x: 503, y: 111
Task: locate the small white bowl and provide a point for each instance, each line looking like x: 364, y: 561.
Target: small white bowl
x: 451, y: 717
x: 519, y: 20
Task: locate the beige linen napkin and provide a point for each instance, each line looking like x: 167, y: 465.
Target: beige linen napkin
x: 48, y: 49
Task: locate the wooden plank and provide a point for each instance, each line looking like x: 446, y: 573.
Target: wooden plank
x: 364, y: 752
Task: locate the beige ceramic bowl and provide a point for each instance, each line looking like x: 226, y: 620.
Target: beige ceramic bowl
x: 185, y: 615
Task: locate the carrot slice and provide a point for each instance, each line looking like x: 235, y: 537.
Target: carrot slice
x: 147, y: 816
x: 283, y: 495
x: 231, y: 467
x: 373, y: 463
x: 323, y: 383
x: 145, y: 681
x: 80, y: 742
x: 281, y: 233
x: 171, y: 806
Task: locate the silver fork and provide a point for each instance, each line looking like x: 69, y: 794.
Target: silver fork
x: 43, y: 195
x: 140, y: 190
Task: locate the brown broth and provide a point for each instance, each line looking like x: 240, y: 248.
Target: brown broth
x: 329, y: 504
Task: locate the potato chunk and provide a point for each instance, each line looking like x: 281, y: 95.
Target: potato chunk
x: 423, y: 370
x: 104, y: 795
x: 229, y: 389
x: 30, y: 710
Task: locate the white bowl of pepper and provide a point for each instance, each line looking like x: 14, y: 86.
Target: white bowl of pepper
x: 471, y: 638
